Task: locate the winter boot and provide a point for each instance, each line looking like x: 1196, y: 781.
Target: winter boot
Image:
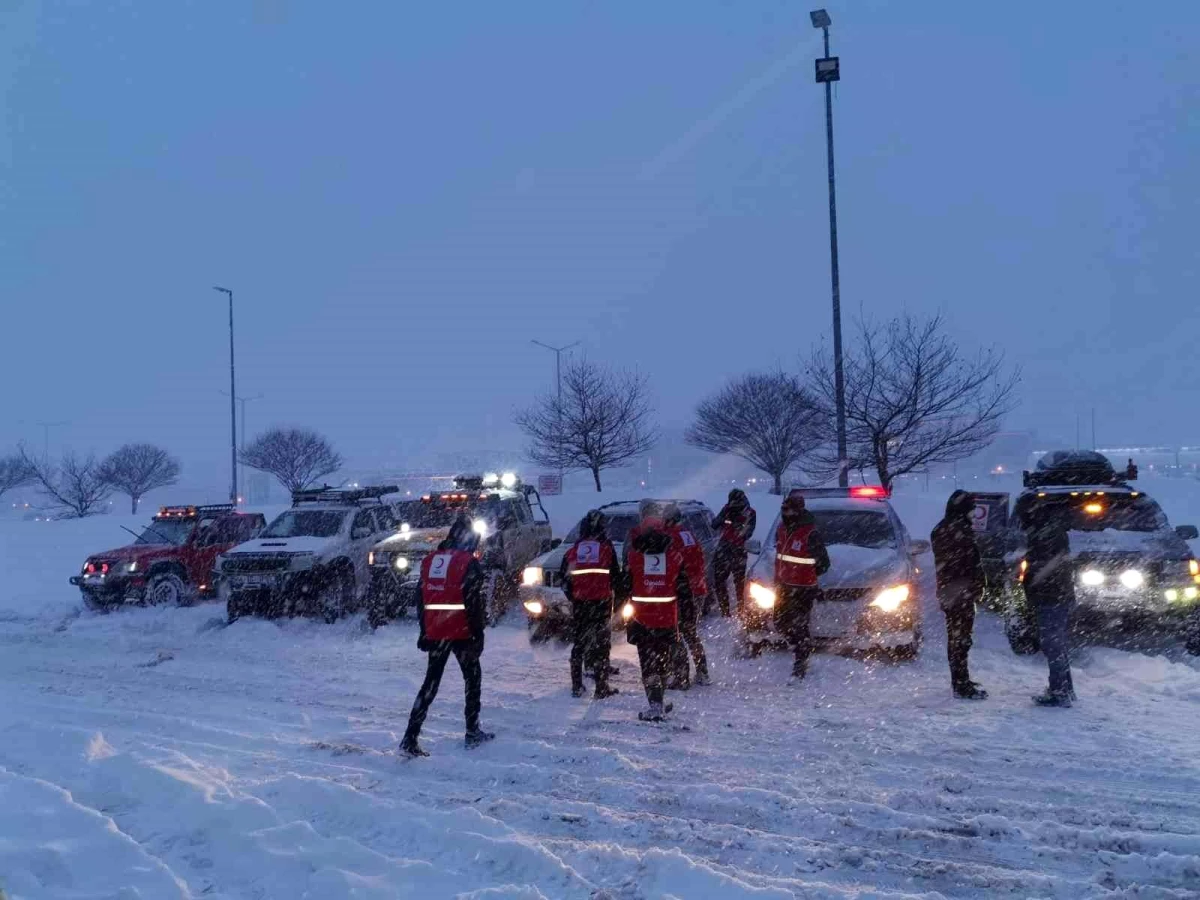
x: 970, y: 691
x: 652, y: 713
x: 799, y: 671
x: 410, y: 747
x: 477, y: 737
x: 604, y: 691
x: 679, y: 684
x: 577, y: 690
x: 702, y: 677
x: 1050, y: 698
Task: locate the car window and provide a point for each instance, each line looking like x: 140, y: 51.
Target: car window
x: 222, y: 531
x: 522, y: 512
x: 617, y: 528
x: 386, y: 516
x: 322, y: 523
x: 248, y: 527
x: 858, y: 528
x: 699, y: 525
x: 365, y: 518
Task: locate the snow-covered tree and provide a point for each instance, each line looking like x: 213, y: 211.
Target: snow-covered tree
x: 298, y: 457
x: 75, y: 487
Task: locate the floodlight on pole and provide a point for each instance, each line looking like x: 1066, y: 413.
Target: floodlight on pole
x: 828, y: 71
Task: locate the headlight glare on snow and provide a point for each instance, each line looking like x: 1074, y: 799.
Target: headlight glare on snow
x: 534, y: 607
x: 1091, y: 578
x: 532, y: 576
x: 889, y: 599
x: 763, y: 596
x: 1133, y: 579
x: 627, y: 611
x: 480, y: 527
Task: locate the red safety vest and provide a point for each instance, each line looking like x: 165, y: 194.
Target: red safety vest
x: 794, y: 563
x: 589, y: 566
x: 694, y: 564
x: 442, y: 577
x: 653, y: 577
x: 732, y: 529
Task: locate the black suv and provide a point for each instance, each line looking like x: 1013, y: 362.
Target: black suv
x: 1132, y: 570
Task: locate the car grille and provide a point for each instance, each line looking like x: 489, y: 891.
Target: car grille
x: 550, y: 578
x: 246, y: 563
x: 844, y: 595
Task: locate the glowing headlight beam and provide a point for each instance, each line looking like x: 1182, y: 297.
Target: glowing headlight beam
x: 763, y: 596
x: 532, y: 576
x: 890, y: 599
x: 480, y: 527
x: 1133, y: 579
x: 1091, y: 577
x: 534, y: 607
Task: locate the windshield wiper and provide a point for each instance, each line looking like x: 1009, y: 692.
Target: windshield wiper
x: 156, y: 531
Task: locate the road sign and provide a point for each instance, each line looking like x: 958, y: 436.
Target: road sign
x: 550, y: 485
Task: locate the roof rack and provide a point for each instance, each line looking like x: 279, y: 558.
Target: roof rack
x: 1078, y: 469
x: 328, y: 494
x: 192, y: 512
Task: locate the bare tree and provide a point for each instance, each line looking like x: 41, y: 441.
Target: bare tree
x: 770, y: 420
x: 75, y: 487
x: 601, y: 421
x: 914, y: 398
x: 135, y: 469
x: 14, y: 473
x: 298, y: 457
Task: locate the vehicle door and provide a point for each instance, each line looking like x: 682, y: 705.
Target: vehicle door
x: 199, y: 555
x: 364, y: 534
x: 513, y: 534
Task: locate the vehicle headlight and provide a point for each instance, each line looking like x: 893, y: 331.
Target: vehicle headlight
x: 890, y: 599
x: 376, y: 558
x: 627, y: 611
x: 1133, y: 579
x: 533, y: 576
x: 301, y: 561
x: 763, y: 596
x: 1091, y: 577
x: 534, y: 607
x: 1193, y: 568
x: 480, y: 527
x: 400, y: 563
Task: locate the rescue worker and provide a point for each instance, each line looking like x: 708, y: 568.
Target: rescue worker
x: 735, y: 524
x: 800, y: 558
x: 453, y: 616
x: 656, y: 577
x: 694, y: 567
x: 590, y: 572
x: 960, y: 585
x: 1049, y: 586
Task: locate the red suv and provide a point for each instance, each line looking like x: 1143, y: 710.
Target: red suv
x: 172, y: 560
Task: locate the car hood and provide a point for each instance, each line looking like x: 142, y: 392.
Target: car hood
x: 138, y: 552
x: 552, y: 560
x: 1149, y: 544
x: 283, y: 545
x: 418, y: 540
x: 849, y: 567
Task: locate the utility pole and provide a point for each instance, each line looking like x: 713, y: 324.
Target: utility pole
x: 243, y: 401
x: 233, y: 454
x: 828, y: 71
x: 558, y: 352
x: 46, y: 426
x: 1094, y: 428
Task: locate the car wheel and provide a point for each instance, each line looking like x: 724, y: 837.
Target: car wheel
x: 165, y: 589
x: 1192, y: 641
x: 1021, y: 630
x: 336, y: 596
x: 908, y: 652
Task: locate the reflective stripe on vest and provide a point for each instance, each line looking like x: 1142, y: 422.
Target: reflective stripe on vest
x: 652, y: 599
x: 445, y: 606
x: 799, y: 560
x: 590, y: 572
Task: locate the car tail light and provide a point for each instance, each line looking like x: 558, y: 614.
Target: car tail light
x: 868, y: 490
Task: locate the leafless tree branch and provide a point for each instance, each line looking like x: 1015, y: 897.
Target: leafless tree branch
x: 135, y: 469
x: 298, y: 457
x: 75, y: 488
x: 14, y: 473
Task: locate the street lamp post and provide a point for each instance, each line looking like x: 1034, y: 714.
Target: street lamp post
x: 558, y: 352
x: 243, y: 401
x: 233, y: 479
x: 828, y: 70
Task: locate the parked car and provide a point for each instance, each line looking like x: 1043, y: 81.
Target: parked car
x: 547, y: 609
x: 870, y: 595
x: 171, y: 561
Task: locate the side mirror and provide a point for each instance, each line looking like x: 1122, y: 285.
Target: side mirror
x: 754, y: 545
x: 918, y: 548
x: 555, y: 543
x: 360, y: 533
x: 1187, y: 532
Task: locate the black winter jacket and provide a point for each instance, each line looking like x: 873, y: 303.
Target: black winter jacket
x: 1049, y: 578
x: 960, y: 576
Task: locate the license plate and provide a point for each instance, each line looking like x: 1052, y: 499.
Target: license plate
x: 834, y: 619
x: 255, y: 581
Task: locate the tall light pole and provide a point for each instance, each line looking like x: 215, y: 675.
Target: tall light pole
x: 558, y: 352
x: 244, y: 401
x: 46, y: 426
x: 829, y: 71
x: 233, y: 479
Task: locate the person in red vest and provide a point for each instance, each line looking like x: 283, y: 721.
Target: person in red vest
x: 452, y: 613
x: 589, y: 574
x: 800, y: 557
x: 695, y: 567
x: 735, y: 524
x: 656, y: 576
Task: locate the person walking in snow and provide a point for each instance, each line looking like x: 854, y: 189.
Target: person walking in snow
x: 589, y: 574
x: 689, y: 604
x: 800, y: 558
x: 735, y: 524
x: 452, y: 613
x: 1050, y: 588
x: 656, y: 577
x: 960, y: 585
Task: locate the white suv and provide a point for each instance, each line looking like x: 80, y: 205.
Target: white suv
x: 311, y: 560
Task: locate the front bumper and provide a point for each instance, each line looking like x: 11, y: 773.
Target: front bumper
x: 850, y: 624
x: 544, y: 605
x: 111, y: 589
x: 1159, y: 601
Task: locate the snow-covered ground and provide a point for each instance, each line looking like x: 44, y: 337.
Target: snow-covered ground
x: 157, y: 754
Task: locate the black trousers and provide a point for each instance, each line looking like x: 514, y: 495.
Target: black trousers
x: 688, y: 640
x: 654, y: 646
x: 729, y: 561
x: 591, y: 631
x: 794, y: 618
x: 472, y: 672
x: 960, y: 626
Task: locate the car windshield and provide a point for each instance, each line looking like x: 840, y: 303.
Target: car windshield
x: 617, y: 528
x: 1104, y: 511
x: 321, y: 523
x: 441, y: 514
x: 167, y: 531
x: 859, y: 528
